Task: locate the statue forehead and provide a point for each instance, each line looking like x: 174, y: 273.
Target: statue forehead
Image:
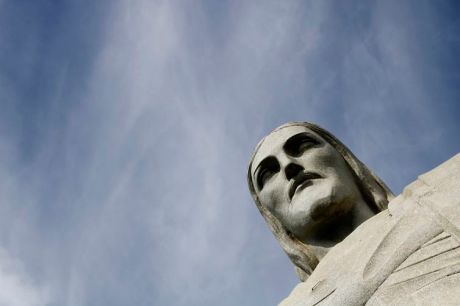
x: 275, y: 141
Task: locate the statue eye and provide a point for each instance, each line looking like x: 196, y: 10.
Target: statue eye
x: 297, y: 144
x: 267, y: 169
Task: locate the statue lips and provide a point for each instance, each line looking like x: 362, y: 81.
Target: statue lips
x: 300, y: 180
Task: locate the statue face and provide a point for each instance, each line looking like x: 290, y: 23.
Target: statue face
x: 302, y: 180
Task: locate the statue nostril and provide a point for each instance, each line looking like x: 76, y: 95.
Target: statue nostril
x: 292, y: 170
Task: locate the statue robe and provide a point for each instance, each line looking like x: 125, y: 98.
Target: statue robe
x: 408, y: 254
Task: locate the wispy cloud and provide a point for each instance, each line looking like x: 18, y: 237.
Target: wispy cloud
x: 127, y: 130
x: 17, y: 289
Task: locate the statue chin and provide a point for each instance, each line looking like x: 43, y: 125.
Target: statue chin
x: 321, y: 216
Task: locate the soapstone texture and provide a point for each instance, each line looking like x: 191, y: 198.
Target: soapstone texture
x: 312, y: 191
x: 365, y: 247
x: 406, y: 255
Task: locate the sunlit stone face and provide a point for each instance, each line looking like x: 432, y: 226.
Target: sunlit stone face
x: 302, y: 180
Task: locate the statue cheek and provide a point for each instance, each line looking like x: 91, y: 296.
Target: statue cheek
x: 328, y: 157
x: 266, y: 198
x: 272, y: 199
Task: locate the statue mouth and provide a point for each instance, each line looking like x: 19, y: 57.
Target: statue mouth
x: 301, y: 180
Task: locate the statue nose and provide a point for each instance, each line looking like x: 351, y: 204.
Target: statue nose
x: 292, y: 170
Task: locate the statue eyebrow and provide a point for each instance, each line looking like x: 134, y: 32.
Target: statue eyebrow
x: 292, y: 141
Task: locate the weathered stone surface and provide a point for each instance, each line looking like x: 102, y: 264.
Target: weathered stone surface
x: 312, y: 191
x: 331, y: 215
x: 406, y: 255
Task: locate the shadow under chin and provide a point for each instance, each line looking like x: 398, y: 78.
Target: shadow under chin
x: 333, y: 224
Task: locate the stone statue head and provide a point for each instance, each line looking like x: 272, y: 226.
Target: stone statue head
x: 305, y: 183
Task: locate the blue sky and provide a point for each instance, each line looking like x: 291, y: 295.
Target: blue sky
x: 126, y: 128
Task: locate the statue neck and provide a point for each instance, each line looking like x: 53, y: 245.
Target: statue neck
x: 333, y: 232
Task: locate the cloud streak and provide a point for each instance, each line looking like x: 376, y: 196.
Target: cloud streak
x: 127, y: 129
